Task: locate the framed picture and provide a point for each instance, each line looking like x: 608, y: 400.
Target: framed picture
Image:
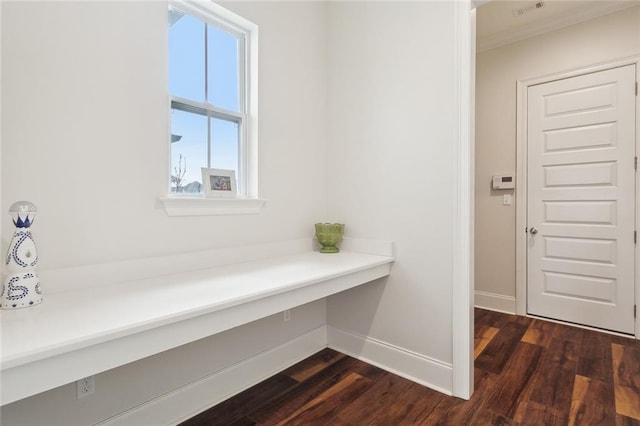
x: 219, y: 183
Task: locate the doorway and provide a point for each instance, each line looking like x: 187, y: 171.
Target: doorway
x: 580, y: 197
x: 506, y: 64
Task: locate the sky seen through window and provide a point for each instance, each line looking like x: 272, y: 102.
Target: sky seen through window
x: 217, y: 84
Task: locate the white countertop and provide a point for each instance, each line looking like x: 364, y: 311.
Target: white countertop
x: 76, y: 333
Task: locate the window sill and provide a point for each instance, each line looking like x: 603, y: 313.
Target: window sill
x: 201, y: 206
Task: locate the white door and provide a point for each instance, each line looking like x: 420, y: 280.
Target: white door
x: 580, y: 206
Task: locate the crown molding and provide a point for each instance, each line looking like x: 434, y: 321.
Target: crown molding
x: 508, y: 37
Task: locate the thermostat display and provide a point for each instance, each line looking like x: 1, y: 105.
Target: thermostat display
x: 503, y: 182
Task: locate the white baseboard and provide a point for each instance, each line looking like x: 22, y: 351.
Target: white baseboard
x: 495, y: 302
x: 193, y: 398
x: 418, y: 368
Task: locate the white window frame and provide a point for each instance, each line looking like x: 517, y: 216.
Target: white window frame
x: 247, y: 117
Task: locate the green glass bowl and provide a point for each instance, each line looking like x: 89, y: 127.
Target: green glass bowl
x: 329, y: 235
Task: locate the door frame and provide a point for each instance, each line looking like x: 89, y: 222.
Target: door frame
x: 521, y: 174
x: 462, y: 305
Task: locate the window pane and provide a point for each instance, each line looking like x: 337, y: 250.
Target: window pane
x: 222, y: 72
x: 224, y: 141
x: 186, y: 56
x: 188, y: 150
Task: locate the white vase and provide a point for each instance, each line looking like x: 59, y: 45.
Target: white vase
x: 21, y: 287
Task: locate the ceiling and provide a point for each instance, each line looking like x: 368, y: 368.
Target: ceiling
x: 497, y: 25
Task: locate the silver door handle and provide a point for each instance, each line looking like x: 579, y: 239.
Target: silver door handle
x: 533, y: 230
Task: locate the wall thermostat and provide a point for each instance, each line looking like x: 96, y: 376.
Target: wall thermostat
x: 503, y: 182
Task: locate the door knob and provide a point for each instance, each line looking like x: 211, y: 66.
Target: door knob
x: 533, y: 230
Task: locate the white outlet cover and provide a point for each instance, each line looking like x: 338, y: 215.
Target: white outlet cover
x: 85, y: 387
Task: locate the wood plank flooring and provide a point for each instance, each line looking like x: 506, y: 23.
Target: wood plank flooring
x: 527, y: 372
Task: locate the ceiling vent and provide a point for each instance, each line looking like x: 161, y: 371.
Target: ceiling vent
x: 524, y: 10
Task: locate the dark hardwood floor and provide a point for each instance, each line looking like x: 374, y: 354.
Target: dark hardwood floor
x: 527, y: 372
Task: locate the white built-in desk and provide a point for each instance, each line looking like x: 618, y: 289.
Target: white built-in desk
x: 86, y: 330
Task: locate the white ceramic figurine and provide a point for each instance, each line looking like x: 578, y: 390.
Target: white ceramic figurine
x: 21, y: 287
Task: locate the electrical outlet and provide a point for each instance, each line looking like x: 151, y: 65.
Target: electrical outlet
x: 287, y: 315
x: 85, y: 387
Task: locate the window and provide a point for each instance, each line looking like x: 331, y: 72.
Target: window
x: 213, y: 116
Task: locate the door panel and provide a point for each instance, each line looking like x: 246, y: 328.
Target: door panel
x: 580, y: 174
x: 580, y: 249
x: 580, y: 99
x: 581, y: 186
x: 587, y: 212
x: 585, y: 137
x: 576, y: 286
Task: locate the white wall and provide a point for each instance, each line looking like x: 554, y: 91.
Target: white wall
x: 603, y: 39
x: 84, y: 137
x: 391, y: 157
